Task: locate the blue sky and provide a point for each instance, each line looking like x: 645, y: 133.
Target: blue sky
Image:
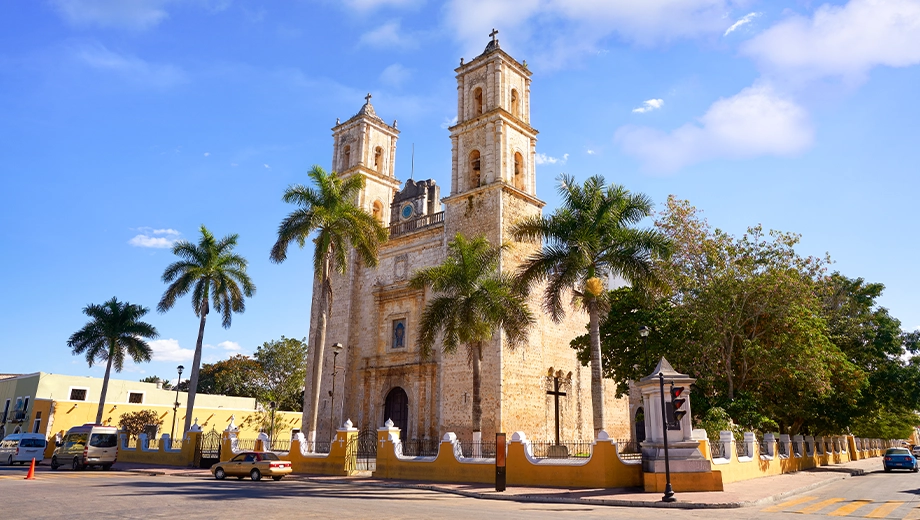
x: 125, y: 125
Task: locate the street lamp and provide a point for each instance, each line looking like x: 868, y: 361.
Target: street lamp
x: 172, y: 431
x: 336, y: 348
x: 668, y: 491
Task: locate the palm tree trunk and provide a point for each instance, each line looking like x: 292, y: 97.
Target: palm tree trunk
x: 196, y: 368
x: 477, y: 381
x: 597, y: 381
x: 318, y: 344
x: 105, y: 383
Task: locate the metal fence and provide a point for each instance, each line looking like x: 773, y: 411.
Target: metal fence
x: 246, y: 444
x: 717, y: 449
x: 562, y: 450
x: 175, y: 444
x: 629, y: 450
x: 280, y: 445
x: 483, y: 450
x: 741, y: 449
x: 420, y: 448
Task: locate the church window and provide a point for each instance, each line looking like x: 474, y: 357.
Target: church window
x: 477, y: 102
x: 518, y: 170
x: 346, y: 157
x: 399, y: 333
x: 474, y: 169
x: 377, y: 211
x: 515, y: 107
x: 378, y: 159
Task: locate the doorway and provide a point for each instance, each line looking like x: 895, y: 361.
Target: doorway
x: 396, y: 409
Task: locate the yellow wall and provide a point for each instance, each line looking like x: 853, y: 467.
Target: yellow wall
x: 339, y: 461
x: 603, y: 469
x: 161, y: 456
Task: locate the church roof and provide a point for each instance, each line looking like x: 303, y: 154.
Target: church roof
x: 666, y: 369
x: 367, y: 111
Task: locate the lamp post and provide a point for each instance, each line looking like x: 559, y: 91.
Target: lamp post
x: 271, y: 429
x: 668, y: 491
x: 336, y: 348
x: 172, y: 430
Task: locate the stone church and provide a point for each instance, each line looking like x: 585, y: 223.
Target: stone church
x: 379, y: 373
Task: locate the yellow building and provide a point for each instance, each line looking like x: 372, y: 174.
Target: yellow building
x: 53, y: 403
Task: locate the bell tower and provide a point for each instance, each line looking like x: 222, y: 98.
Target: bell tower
x: 365, y: 145
x: 493, y: 147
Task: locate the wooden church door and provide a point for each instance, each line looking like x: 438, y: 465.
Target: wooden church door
x: 396, y: 409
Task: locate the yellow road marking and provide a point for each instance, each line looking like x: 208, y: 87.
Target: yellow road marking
x: 913, y: 514
x: 849, y: 508
x: 883, y: 510
x: 790, y: 503
x: 814, y: 508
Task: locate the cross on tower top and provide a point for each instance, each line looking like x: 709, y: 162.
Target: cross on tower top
x: 367, y: 98
x: 493, y: 33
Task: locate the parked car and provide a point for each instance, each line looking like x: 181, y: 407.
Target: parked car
x: 916, y: 451
x: 900, y: 458
x: 254, y: 464
x: 22, y: 448
x: 85, y: 446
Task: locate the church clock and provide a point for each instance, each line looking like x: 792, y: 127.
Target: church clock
x: 407, y: 211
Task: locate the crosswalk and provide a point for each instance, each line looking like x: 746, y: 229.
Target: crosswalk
x: 837, y: 506
x: 48, y: 475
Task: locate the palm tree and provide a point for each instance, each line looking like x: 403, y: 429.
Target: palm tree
x: 212, y: 271
x: 114, y: 330
x: 329, y: 209
x: 588, y: 239
x: 474, y: 300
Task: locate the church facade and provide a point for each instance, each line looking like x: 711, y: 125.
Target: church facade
x: 380, y: 373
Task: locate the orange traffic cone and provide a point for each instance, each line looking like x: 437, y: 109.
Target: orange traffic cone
x: 31, y: 475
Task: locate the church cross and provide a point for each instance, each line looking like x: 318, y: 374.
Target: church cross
x: 493, y: 33
x: 556, y: 394
x: 367, y: 98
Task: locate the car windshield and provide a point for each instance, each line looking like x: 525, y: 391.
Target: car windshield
x: 103, y: 440
x: 269, y: 456
x: 897, y: 451
x: 32, y: 443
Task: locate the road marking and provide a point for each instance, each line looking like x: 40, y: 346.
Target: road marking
x: 814, y: 508
x: 883, y: 510
x: 913, y: 514
x: 51, y: 476
x: 849, y: 508
x: 790, y: 503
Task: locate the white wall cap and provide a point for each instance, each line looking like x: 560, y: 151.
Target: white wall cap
x: 449, y: 437
x: 518, y: 437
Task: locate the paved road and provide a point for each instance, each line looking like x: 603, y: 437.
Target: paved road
x: 100, y: 495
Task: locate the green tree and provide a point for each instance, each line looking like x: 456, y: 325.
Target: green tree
x: 114, y: 331
x: 154, y: 379
x: 238, y: 375
x: 134, y: 423
x: 329, y: 209
x: 473, y: 301
x: 283, y: 365
x: 587, y: 240
x: 216, y: 276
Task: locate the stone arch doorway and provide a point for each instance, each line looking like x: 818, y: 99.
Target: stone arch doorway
x: 396, y: 408
x: 640, y: 424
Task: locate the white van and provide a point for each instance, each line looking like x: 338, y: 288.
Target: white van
x: 22, y: 448
x: 87, y: 445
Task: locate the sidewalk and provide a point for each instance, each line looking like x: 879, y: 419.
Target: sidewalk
x: 755, y: 492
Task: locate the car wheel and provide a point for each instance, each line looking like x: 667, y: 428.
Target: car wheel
x: 887, y: 470
x: 106, y: 467
x: 54, y: 464
x: 9, y: 461
x: 277, y: 477
x: 255, y: 475
x: 76, y: 464
x: 220, y: 474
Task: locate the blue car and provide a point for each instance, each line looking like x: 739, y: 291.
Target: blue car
x: 900, y: 458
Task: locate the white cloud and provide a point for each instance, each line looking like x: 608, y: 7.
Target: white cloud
x: 756, y: 121
x: 169, y: 350
x: 149, y: 238
x: 389, y: 35
x: 207, y: 154
x: 648, y: 106
x: 395, y: 75
x: 746, y: 19
x: 591, y: 152
x: 841, y: 41
x: 548, y: 26
x: 230, y: 345
x: 449, y: 122
x: 133, y: 14
x: 130, y: 67
x: 267, y: 167
x: 542, y: 158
